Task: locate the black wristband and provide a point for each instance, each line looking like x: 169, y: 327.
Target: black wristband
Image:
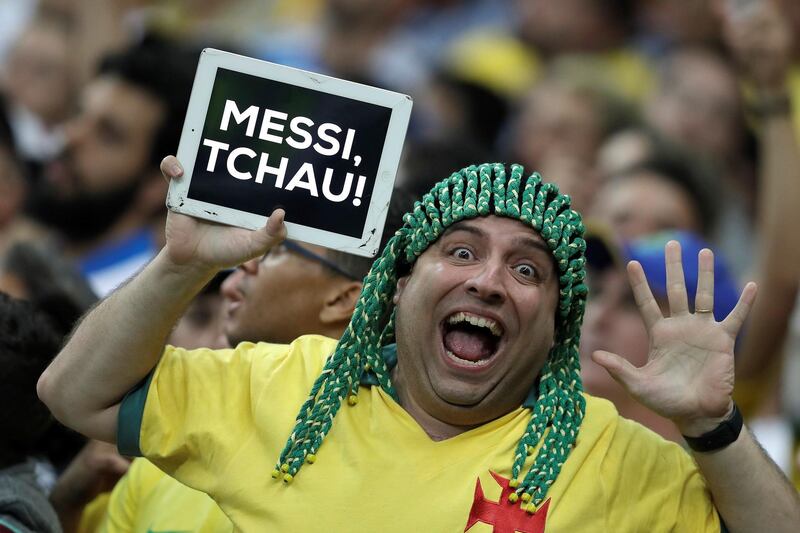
x: 724, y: 434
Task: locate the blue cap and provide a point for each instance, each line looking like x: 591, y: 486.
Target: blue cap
x: 649, y: 252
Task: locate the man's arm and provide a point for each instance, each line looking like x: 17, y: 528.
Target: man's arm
x: 120, y: 341
x: 749, y: 490
x: 689, y: 379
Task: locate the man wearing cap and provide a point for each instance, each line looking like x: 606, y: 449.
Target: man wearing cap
x: 461, y: 409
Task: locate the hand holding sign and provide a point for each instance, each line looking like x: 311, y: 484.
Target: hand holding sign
x: 212, y: 245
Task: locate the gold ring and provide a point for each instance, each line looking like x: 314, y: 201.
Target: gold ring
x: 703, y: 310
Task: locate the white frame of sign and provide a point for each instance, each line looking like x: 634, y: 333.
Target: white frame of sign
x: 400, y: 104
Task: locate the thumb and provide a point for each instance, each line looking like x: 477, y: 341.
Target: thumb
x: 272, y: 233
x: 620, y: 369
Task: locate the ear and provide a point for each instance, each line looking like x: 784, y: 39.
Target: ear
x: 340, y: 302
x: 401, y: 285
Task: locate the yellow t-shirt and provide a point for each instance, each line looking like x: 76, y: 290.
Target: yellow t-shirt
x: 147, y: 500
x: 217, y: 421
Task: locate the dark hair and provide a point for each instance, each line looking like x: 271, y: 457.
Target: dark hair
x: 53, y: 285
x: 426, y: 161
x: 28, y: 342
x: 680, y: 169
x: 622, y: 12
x: 7, y: 142
x: 164, y: 69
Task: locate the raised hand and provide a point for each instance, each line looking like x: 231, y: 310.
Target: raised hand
x: 689, y: 373
x: 216, y: 246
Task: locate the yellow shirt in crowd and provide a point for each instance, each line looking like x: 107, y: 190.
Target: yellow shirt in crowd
x: 217, y: 421
x: 146, y: 500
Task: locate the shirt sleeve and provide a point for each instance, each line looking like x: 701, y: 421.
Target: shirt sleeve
x: 198, y: 408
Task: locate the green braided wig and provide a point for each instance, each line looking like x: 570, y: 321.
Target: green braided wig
x: 488, y: 189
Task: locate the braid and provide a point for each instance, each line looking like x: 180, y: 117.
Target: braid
x: 559, y: 408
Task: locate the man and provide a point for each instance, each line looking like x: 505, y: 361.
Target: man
x: 104, y: 195
x: 481, y: 387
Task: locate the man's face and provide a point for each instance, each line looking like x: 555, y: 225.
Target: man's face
x: 109, y: 142
x: 475, y: 320
x: 277, y: 298
x: 106, y: 159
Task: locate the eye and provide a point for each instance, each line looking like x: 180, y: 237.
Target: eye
x: 526, y: 270
x: 462, y: 253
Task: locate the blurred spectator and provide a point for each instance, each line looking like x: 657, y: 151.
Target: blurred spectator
x: 39, y: 84
x: 104, y: 195
x: 598, y: 31
x: 560, y: 128
x: 203, y: 323
x: 726, y: 221
x: 697, y: 103
x: 657, y: 194
x: 35, y: 272
x: 28, y: 343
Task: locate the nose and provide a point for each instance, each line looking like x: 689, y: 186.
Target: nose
x: 230, y: 287
x: 487, y: 283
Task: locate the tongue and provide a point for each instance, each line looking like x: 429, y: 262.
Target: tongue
x: 472, y: 346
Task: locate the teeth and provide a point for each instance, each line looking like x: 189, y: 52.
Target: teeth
x: 481, y: 322
x: 481, y: 362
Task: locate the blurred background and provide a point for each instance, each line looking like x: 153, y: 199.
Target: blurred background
x: 676, y: 116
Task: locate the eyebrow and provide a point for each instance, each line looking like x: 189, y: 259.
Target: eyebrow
x: 464, y: 226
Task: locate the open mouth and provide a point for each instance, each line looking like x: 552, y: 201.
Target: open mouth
x: 471, y: 340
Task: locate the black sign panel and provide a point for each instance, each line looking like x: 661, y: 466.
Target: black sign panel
x: 268, y: 144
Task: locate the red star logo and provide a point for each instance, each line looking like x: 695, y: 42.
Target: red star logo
x: 504, y: 516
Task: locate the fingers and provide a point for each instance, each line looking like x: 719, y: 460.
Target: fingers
x: 733, y: 322
x: 275, y: 226
x: 274, y: 232
x: 620, y: 369
x: 704, y: 298
x: 115, y: 464
x: 171, y: 168
x: 676, y: 285
x: 648, y: 307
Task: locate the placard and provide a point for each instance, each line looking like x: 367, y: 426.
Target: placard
x: 259, y: 136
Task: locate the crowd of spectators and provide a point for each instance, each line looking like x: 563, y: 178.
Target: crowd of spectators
x: 658, y: 117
